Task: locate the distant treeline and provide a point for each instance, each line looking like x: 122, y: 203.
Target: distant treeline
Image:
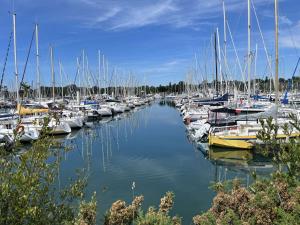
x: 261, y: 85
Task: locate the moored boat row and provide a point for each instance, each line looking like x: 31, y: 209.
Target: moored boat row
x: 230, y: 125
x: 28, y: 120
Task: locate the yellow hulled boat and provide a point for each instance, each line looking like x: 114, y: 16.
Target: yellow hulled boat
x: 241, y: 136
x: 229, y: 143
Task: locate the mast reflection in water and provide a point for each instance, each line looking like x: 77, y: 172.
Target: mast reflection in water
x: 149, y: 147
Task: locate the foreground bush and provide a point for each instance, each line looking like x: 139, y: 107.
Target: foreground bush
x: 28, y: 194
x: 274, y: 200
x: 120, y: 214
x: 27, y: 189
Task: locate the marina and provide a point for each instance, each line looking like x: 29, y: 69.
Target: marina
x: 136, y: 147
x: 152, y: 147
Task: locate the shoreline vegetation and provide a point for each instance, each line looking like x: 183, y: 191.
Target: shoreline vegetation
x: 180, y: 87
x: 28, y: 194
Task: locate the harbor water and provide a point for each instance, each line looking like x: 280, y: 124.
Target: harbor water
x: 149, y: 147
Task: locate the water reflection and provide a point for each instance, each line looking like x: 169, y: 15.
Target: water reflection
x: 240, y: 163
x: 149, y: 146
x: 105, y: 135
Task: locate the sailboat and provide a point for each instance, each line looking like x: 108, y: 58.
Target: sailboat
x: 75, y: 122
x: 12, y: 127
x: 243, y: 136
x: 105, y: 110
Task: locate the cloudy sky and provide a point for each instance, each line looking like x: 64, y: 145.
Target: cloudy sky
x: 155, y: 40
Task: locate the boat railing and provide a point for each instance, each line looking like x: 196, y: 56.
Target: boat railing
x: 244, y: 128
x: 224, y: 128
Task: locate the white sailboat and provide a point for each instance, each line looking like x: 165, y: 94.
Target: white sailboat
x: 20, y: 132
x: 104, y: 110
x: 74, y: 122
x: 10, y: 127
x: 242, y: 136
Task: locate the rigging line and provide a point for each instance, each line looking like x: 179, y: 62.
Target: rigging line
x: 78, y: 69
x: 112, y: 76
x: 73, y: 86
x: 94, y: 80
x: 69, y: 87
x: 295, y: 70
x: 291, y: 34
x: 223, y: 73
x: 92, y: 84
x: 235, y: 51
x: 226, y: 75
x: 64, y: 73
x: 263, y: 40
x: 27, y: 58
x: 293, y: 40
x: 236, y: 25
x: 5, y: 60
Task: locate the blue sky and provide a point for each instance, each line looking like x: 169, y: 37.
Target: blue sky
x: 155, y: 40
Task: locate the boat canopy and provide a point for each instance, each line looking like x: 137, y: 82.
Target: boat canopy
x: 270, y: 112
x: 27, y: 111
x: 223, y: 98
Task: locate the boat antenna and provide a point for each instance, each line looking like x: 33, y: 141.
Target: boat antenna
x: 38, y: 61
x: 276, y: 53
x: 216, y: 64
x: 52, y: 74
x: 249, y: 50
x: 15, y: 58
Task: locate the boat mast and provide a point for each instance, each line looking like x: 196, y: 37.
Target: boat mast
x: 52, y: 74
x: 15, y: 59
x: 38, y: 62
x: 106, y: 77
x: 276, y: 53
x: 249, y: 49
x: 219, y: 61
x: 216, y: 64
x: 254, y: 77
x: 225, y: 41
x: 99, y: 70
x: 61, y: 80
x: 78, y: 89
x: 83, y: 71
x: 104, y: 71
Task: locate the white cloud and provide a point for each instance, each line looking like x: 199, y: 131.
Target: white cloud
x: 120, y: 15
x: 149, y: 14
x: 106, y: 16
x: 169, y: 67
x: 284, y: 20
x: 289, y: 37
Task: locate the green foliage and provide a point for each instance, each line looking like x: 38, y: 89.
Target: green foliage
x: 285, y: 151
x: 230, y: 217
x: 207, y: 218
x: 121, y: 214
x: 152, y: 217
x: 160, y: 216
x: 268, y: 135
x: 273, y: 200
x: 87, y: 212
x: 27, y: 188
x: 287, y: 218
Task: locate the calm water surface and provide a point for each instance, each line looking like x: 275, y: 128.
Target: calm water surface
x: 149, y: 147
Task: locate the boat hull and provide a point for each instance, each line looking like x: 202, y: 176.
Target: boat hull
x: 228, y: 143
